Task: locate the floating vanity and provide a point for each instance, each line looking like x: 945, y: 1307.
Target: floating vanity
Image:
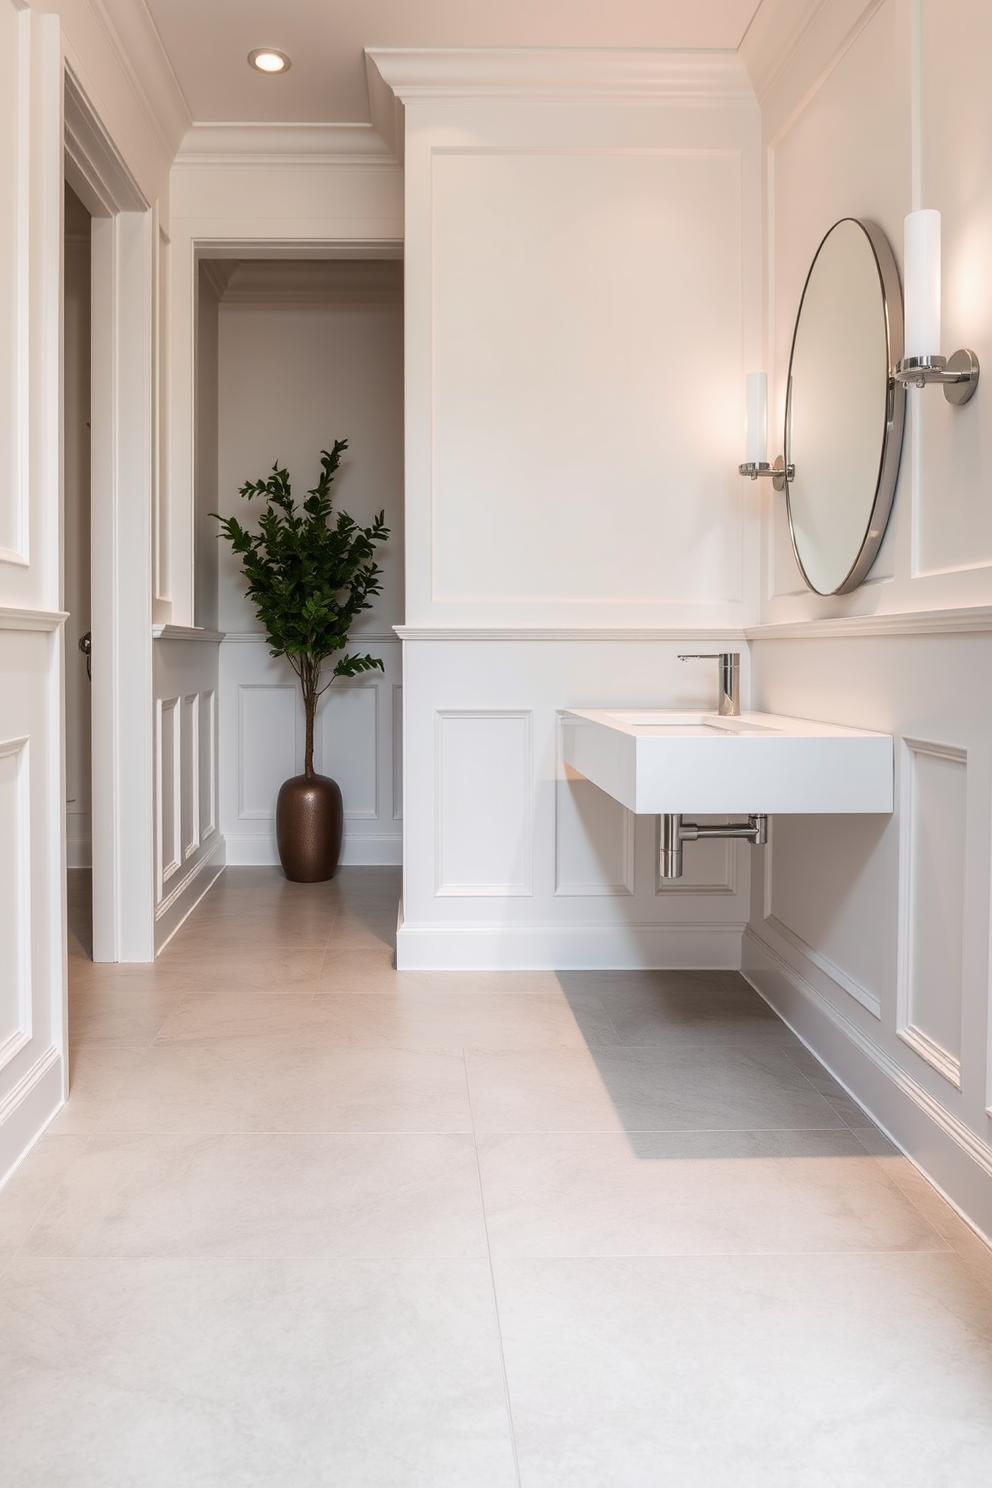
x: 666, y: 762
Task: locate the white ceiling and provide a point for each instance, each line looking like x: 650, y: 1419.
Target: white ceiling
x: 208, y: 42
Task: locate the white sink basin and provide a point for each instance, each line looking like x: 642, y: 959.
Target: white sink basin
x: 668, y: 760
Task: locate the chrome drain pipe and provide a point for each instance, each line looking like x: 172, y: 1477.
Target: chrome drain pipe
x: 673, y: 831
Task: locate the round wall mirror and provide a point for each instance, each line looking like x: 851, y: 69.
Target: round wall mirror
x: 844, y: 411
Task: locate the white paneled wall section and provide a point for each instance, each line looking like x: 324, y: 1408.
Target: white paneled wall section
x: 582, y: 257
x: 189, y: 847
x: 872, y: 937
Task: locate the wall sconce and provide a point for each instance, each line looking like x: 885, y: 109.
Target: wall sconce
x: 756, y: 438
x: 921, y: 364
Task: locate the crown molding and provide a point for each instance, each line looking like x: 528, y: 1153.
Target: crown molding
x: 134, y: 40
x: 294, y: 146
x: 559, y: 75
x: 315, y: 282
x: 781, y: 29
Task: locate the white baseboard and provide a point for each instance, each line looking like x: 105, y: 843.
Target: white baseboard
x: 365, y: 849
x: 186, y: 895
x: 567, y: 947
x: 954, y: 1159
x: 29, y: 1108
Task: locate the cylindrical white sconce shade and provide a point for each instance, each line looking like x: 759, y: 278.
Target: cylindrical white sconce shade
x: 756, y: 439
x: 922, y: 284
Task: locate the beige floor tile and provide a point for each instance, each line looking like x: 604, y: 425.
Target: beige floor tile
x: 252, y: 1085
x: 692, y: 1193
x: 123, y: 1016
x: 647, y: 1007
x: 738, y: 1086
x: 29, y: 1188
x: 867, y: 1371
x: 170, y: 1374
x: 415, y: 1020
x: 96, y: 1073
x: 245, y: 969
x: 263, y: 1196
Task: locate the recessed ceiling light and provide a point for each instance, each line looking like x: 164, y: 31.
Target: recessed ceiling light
x: 267, y: 59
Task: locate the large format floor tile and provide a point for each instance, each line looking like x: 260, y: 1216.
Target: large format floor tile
x: 692, y: 1193
x: 256, y: 1196
x: 155, y: 1374
x: 309, y: 1220
x: 867, y: 1371
x: 251, y: 1085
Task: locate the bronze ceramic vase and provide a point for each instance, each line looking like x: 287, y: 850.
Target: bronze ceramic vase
x: 309, y: 827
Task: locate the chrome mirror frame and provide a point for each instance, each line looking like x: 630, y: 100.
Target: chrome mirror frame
x: 895, y: 411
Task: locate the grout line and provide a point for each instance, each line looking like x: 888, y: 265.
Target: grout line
x: 492, y: 1276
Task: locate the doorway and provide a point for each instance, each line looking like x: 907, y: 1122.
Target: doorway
x: 76, y: 340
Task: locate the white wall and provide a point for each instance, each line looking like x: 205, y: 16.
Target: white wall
x: 872, y: 937
x: 311, y: 351
x: 582, y: 289
x: 129, y: 112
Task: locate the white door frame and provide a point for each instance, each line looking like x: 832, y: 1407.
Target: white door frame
x: 123, y: 415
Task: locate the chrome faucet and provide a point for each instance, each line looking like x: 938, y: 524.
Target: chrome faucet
x: 730, y: 678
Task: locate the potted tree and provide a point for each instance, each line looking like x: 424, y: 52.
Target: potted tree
x: 308, y: 578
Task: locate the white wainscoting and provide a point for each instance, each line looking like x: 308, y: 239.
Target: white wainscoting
x: 189, y: 849
x: 513, y: 861
x: 32, y: 900
x: 931, y: 918
x: 870, y: 935
x: 357, y: 741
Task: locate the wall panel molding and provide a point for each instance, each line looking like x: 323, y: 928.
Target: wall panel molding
x: 484, y: 803
x: 15, y: 897
x: 933, y: 849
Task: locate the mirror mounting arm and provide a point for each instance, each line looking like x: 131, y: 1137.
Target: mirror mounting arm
x: 778, y: 473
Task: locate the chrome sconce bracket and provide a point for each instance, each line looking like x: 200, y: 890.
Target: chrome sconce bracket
x: 778, y: 473
x: 958, y: 375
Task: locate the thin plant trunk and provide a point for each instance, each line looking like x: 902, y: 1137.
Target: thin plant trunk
x: 310, y: 682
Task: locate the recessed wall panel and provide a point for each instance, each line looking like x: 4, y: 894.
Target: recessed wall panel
x: 935, y: 840
x: 594, y: 839
x: 485, y: 803
x: 349, y: 731
x: 189, y: 774
x: 169, y: 790
x: 15, y: 961
x: 270, y: 728
x: 581, y: 300
x: 207, y: 792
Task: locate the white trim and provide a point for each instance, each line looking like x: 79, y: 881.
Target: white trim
x: 560, y: 74
x: 29, y: 1107
x: 187, y: 895
x: 259, y: 638
x: 563, y: 633
x: 142, y: 58
x: 186, y: 633
x: 11, y: 619
x: 911, y: 622
x: 868, y: 1000
x: 286, y: 146
x: 182, y: 887
x: 360, y: 849
x: 955, y: 1159
x: 714, y: 947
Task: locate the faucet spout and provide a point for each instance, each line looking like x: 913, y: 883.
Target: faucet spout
x: 729, y: 698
